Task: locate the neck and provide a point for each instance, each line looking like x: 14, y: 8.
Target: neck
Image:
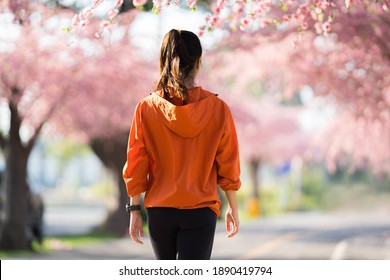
x: 189, y: 82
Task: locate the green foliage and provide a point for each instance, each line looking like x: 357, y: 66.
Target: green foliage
x: 356, y: 196
x: 269, y: 202
x: 284, y: 7
x: 313, y: 187
x: 66, y: 29
x: 312, y: 191
x: 65, y: 242
x: 12, y: 254
x: 344, y: 188
x: 256, y: 89
x: 67, y: 149
x: 276, y: 22
x: 102, y: 190
x: 73, y: 241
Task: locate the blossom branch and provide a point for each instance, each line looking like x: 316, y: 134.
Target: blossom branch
x: 246, y: 15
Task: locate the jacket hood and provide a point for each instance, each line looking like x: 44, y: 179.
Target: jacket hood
x: 188, y: 120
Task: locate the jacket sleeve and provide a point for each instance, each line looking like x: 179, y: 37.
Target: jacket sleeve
x: 135, y: 170
x: 227, y: 157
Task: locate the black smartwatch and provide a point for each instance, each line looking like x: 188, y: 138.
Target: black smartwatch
x: 130, y: 208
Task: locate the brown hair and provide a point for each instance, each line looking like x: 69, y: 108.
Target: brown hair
x: 179, y: 55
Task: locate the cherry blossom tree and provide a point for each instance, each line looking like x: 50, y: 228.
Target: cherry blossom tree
x: 354, y: 82
x: 269, y: 133
x: 34, y: 67
x: 345, y: 65
x: 348, y: 68
x: 86, y: 89
x: 110, y: 84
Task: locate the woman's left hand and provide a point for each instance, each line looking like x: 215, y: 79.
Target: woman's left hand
x: 136, y: 227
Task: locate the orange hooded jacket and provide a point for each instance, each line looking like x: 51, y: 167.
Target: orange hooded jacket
x: 178, y: 154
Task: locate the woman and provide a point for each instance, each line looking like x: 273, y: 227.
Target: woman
x: 182, y: 144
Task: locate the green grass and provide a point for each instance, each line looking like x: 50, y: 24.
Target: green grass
x: 78, y: 240
x: 65, y: 242
x: 12, y: 254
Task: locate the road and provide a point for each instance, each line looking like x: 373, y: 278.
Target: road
x: 295, y: 236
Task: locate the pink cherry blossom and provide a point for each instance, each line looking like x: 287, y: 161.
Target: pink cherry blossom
x: 96, y: 3
x: 105, y: 24
x: 348, y: 3
x: 245, y: 22
x: 308, y: 12
x: 324, y: 5
x: 318, y: 28
x: 192, y: 4
x: 138, y: 3
x: 113, y: 13
x: 304, y: 25
x: 326, y: 26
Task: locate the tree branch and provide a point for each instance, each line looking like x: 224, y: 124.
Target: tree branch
x: 384, y: 44
x: 31, y: 142
x: 3, y: 141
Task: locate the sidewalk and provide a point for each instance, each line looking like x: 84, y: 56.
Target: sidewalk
x: 123, y: 248
x: 346, y: 235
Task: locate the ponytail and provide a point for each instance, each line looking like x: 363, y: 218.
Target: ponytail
x: 179, y: 55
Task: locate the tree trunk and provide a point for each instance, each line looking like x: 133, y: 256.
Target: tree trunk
x: 254, y: 207
x: 112, y: 152
x: 253, y: 174
x: 16, y: 190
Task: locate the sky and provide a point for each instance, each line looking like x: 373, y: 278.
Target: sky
x: 148, y: 28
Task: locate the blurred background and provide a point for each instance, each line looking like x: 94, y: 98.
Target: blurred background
x: 312, y: 112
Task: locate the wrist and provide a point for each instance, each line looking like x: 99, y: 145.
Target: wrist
x: 132, y: 207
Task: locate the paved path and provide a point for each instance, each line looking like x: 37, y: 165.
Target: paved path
x: 342, y: 235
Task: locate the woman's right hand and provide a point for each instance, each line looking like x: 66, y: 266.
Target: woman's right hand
x: 136, y: 227
x: 232, y: 222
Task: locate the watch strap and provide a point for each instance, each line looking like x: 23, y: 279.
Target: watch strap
x: 130, y: 208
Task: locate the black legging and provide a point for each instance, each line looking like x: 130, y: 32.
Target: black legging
x: 185, y: 234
